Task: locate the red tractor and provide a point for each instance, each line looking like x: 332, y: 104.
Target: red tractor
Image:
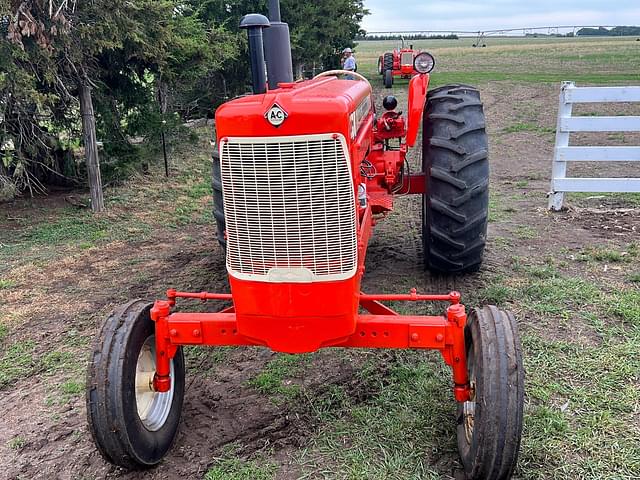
x: 303, y: 173
x: 400, y: 62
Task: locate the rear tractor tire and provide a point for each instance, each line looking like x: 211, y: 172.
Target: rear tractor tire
x: 132, y: 425
x: 218, y: 201
x: 380, y: 66
x: 490, y: 424
x: 388, y: 78
x: 387, y: 62
x: 455, y: 207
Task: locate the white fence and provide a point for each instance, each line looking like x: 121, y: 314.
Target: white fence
x: 564, y: 153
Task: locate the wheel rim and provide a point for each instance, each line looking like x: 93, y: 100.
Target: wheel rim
x: 153, y: 407
x: 469, y: 407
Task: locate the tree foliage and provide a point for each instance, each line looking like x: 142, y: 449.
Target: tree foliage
x: 619, y: 31
x: 151, y: 65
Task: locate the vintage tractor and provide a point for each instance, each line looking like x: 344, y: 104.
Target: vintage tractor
x: 303, y: 172
x: 400, y: 62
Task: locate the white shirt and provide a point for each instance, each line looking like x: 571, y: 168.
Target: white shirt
x: 350, y: 63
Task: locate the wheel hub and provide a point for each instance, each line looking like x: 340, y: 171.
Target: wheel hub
x: 469, y: 407
x: 153, y: 407
x: 469, y: 412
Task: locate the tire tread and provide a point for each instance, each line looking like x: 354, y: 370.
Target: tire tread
x: 456, y: 165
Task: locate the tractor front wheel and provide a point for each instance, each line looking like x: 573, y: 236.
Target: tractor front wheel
x: 388, y: 78
x: 490, y: 424
x: 218, y: 201
x: 455, y: 208
x: 132, y: 425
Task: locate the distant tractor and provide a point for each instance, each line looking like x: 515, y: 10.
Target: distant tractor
x: 400, y: 63
x: 302, y: 174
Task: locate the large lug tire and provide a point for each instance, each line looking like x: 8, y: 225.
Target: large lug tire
x: 380, y: 66
x: 132, y: 426
x: 218, y: 201
x: 388, y: 78
x: 455, y: 207
x: 490, y: 425
x: 387, y: 62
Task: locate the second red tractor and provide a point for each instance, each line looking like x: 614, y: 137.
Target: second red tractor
x: 400, y: 63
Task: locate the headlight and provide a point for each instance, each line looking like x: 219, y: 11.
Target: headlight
x: 424, y: 62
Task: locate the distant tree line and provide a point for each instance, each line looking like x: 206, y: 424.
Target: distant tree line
x: 417, y: 36
x: 548, y: 35
x: 124, y: 71
x: 619, y: 31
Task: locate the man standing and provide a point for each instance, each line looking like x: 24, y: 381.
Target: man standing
x: 349, y: 62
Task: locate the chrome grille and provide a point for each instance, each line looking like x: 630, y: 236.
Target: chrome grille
x: 289, y: 208
x: 406, y: 59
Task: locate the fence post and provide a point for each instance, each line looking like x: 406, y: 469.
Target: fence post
x: 559, y: 169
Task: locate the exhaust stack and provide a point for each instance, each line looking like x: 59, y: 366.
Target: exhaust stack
x: 278, y: 48
x: 254, y: 23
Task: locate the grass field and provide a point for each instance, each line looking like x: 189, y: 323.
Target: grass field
x: 572, y: 279
x: 584, y: 60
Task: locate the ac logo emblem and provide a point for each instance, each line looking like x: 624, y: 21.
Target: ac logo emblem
x: 276, y: 115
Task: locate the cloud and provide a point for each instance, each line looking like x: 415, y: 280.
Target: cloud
x: 496, y: 14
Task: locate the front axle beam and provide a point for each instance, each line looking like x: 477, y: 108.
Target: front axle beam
x: 382, y: 327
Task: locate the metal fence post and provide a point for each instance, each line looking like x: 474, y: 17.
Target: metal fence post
x: 559, y: 169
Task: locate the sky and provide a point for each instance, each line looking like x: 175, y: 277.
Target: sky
x: 427, y: 15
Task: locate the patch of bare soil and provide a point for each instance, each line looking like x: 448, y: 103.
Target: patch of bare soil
x: 41, y: 439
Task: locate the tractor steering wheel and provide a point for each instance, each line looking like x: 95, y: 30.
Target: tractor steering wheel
x: 342, y: 72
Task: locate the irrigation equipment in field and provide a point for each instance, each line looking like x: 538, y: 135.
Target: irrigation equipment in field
x: 302, y: 175
x: 568, y: 123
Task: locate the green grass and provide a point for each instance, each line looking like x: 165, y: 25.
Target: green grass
x: 273, y: 379
x: 396, y: 434
x: 581, y: 397
x: 520, y: 60
x: 21, y: 360
x: 497, y: 294
x: 237, y: 469
x: 500, y: 207
x: 45, y: 236
x: 6, y: 284
x: 66, y: 391
x: 17, y: 361
x: 571, y: 420
x: 595, y: 199
x: 480, y: 78
x: 525, y: 232
x: 528, y: 127
x: 599, y: 253
x: 16, y: 443
x: 134, y: 210
x: 204, y: 360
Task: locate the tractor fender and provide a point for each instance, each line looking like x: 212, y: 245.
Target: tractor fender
x: 417, y: 96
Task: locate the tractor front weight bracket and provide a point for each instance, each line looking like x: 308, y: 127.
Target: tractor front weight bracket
x: 381, y: 327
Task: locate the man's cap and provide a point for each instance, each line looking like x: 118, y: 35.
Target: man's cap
x: 346, y: 50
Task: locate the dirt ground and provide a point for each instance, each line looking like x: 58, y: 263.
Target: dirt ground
x: 63, y: 300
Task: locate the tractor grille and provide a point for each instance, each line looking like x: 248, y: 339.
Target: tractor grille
x: 406, y: 59
x: 289, y: 207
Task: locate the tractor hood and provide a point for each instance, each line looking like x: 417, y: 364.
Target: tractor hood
x: 302, y: 108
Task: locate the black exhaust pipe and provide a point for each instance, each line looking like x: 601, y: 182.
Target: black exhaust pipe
x: 254, y: 23
x: 278, y: 48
